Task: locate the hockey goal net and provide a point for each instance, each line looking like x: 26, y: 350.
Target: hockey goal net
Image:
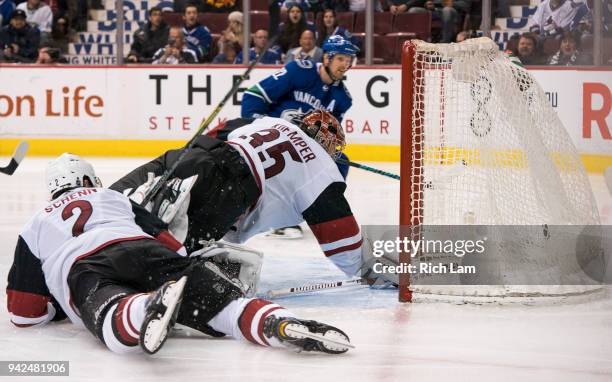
x: 481, y: 145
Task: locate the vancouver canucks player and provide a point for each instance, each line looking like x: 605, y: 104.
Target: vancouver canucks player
x: 302, y: 86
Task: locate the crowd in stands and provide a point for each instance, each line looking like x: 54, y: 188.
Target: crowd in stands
x: 40, y: 31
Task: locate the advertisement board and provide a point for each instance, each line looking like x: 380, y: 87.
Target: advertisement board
x: 148, y: 103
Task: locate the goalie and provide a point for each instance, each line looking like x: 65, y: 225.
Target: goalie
x: 269, y: 174
x: 109, y: 265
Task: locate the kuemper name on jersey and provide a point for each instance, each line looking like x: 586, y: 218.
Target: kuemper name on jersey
x: 303, y: 148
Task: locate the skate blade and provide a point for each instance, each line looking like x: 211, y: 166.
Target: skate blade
x: 332, y: 340
x: 157, y: 330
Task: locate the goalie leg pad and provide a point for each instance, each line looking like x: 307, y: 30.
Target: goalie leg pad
x: 208, y: 291
x: 238, y: 261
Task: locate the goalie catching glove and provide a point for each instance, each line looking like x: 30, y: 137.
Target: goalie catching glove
x: 240, y: 262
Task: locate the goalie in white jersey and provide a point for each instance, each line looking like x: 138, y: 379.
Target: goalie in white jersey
x: 109, y: 265
x: 268, y: 174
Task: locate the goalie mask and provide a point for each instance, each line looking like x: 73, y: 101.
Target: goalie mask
x: 69, y: 171
x: 324, y: 128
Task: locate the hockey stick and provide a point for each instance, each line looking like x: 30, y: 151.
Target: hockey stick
x: 312, y: 288
x: 368, y: 168
x: 452, y: 172
x: 18, y: 155
x: 203, y: 126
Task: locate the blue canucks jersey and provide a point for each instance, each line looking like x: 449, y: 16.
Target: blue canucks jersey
x: 296, y: 88
x: 198, y: 38
x: 272, y: 56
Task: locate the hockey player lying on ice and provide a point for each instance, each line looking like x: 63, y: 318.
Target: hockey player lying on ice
x: 109, y: 265
x: 268, y: 174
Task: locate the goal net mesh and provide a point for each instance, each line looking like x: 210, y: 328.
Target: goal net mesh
x: 481, y: 145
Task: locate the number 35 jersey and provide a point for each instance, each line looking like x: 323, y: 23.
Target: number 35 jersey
x: 298, y: 181
x: 73, y: 226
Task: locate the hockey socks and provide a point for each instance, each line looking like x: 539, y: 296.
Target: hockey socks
x: 121, y: 327
x: 265, y: 323
x: 144, y: 319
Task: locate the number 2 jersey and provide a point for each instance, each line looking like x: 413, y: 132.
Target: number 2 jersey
x: 299, y: 181
x: 77, y: 224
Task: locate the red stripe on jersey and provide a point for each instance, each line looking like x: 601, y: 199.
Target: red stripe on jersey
x: 120, y: 324
x: 168, y: 241
x: 246, y: 318
x: 104, y: 245
x: 342, y: 249
x: 334, y: 230
x: 25, y: 304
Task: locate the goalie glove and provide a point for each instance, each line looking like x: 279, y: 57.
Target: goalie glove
x: 368, y: 261
x: 239, y: 261
x: 170, y: 204
x: 138, y: 195
x: 168, y: 201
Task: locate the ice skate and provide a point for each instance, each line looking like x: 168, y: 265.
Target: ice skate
x: 162, y: 309
x: 307, y: 335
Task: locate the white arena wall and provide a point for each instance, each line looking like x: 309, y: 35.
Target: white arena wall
x: 144, y: 110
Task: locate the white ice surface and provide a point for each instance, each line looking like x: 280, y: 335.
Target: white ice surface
x: 403, y: 342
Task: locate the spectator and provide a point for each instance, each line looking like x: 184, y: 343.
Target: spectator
x: 61, y: 34
x: 289, y: 33
x: 49, y: 55
x: 307, y: 49
x: 462, y: 36
x: 176, y: 51
x: 527, y: 50
x: 466, y: 35
x: 352, y: 5
x: 586, y: 22
x: 75, y: 11
x: 330, y: 27
x: 306, y: 5
x: 38, y: 15
x: 607, y: 18
x: 443, y: 10
x: 150, y: 38
x: 555, y: 16
x: 18, y: 40
x: 214, y: 6
x: 401, y: 6
x: 197, y: 36
x: 260, y: 40
x: 233, y: 32
x: 229, y: 53
x: 6, y: 10
x: 568, y: 54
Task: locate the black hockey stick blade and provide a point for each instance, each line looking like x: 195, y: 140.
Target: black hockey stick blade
x: 18, y: 155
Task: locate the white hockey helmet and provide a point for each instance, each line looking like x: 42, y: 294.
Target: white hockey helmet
x: 69, y: 171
